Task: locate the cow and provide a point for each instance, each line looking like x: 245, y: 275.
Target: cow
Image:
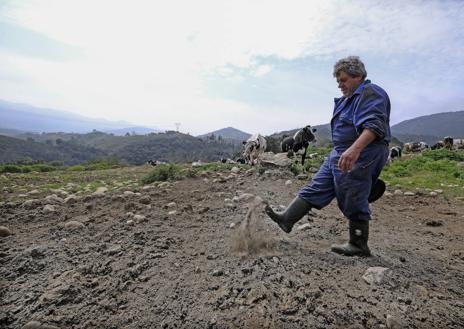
x: 458, y: 144
x: 416, y: 146
x: 254, y: 147
x: 448, y: 142
x: 395, y: 153
x: 299, y: 142
x: 155, y: 162
x: 438, y: 145
x: 227, y: 160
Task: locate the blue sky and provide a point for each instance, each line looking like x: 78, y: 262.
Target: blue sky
x: 259, y: 66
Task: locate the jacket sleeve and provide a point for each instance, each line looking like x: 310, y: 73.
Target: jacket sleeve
x: 372, y: 113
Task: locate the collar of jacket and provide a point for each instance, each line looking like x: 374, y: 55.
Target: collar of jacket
x: 339, y: 100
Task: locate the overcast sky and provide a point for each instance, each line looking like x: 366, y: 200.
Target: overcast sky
x: 259, y: 66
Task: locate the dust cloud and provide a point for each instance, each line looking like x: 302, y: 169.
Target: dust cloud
x: 251, y: 237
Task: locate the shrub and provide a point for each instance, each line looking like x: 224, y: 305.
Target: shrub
x: 10, y: 168
x: 76, y: 168
x: 162, y: 173
x: 42, y: 167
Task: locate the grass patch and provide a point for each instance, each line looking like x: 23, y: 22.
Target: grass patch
x: 435, y: 169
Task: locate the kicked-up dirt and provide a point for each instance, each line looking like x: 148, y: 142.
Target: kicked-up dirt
x: 200, y: 253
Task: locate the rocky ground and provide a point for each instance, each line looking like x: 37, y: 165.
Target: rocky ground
x: 199, y: 253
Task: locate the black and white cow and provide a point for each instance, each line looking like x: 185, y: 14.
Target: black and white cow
x: 416, y: 146
x: 155, y: 162
x: 395, y: 153
x: 448, y: 142
x: 227, y: 160
x: 254, y: 147
x: 438, y: 145
x: 299, y: 142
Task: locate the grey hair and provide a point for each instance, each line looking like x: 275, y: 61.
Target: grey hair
x: 351, y: 65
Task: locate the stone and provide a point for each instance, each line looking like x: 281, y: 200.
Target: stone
x: 30, y: 204
x: 34, y: 192
x: 302, y: 177
x: 53, y: 199
x: 235, y: 170
x: 231, y: 225
x: 393, y: 322
x: 72, y: 199
x: 100, y: 191
x: 434, y: 223
x: 375, y: 275
x: 139, y: 218
x: 398, y: 192
x: 172, y: 212
x: 128, y: 193
x: 288, y: 182
x: 4, y: 231
x: 408, y: 193
x: 32, y: 325
x: 74, y: 225
x: 171, y: 205
x: 48, y: 208
x: 439, y: 191
x: 112, y: 251
x: 433, y: 193
x: 145, y: 200
x: 217, y: 273
x: 303, y: 227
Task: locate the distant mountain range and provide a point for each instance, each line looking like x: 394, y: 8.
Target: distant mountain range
x: 27, y: 118
x: 61, y: 138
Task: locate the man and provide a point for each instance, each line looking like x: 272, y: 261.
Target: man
x: 360, y: 134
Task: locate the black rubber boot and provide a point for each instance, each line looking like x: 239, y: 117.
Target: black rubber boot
x: 357, y: 246
x: 294, y: 212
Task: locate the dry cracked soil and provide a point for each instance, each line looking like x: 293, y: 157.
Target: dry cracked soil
x: 200, y: 253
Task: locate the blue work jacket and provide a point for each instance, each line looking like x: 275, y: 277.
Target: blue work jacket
x: 367, y: 108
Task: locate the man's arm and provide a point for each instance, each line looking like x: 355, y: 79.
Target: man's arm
x: 351, y: 155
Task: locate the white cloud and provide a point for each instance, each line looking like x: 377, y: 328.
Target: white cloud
x: 146, y: 61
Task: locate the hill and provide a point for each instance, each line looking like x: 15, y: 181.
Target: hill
x: 29, y: 118
x: 68, y: 153
x: 436, y: 125
x: 228, y: 133
x: 134, y: 149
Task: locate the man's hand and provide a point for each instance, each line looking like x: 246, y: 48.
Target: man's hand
x: 348, y: 159
x: 351, y: 155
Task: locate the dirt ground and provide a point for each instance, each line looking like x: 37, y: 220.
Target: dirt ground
x: 178, y: 256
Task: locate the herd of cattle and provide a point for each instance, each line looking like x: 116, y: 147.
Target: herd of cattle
x: 256, y: 145
x: 296, y: 144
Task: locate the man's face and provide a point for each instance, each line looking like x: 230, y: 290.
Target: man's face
x: 347, y: 83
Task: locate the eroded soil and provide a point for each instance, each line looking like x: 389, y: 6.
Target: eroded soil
x: 180, y: 256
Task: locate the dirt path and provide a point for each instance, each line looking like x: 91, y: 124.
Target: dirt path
x: 174, y: 257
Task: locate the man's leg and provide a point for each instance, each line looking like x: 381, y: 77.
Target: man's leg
x: 317, y: 194
x: 357, y: 243
x: 294, y: 212
x: 353, y: 193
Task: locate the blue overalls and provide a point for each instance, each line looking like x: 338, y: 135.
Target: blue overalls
x: 368, y: 107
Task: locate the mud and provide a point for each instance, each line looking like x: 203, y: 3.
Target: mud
x: 136, y: 260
